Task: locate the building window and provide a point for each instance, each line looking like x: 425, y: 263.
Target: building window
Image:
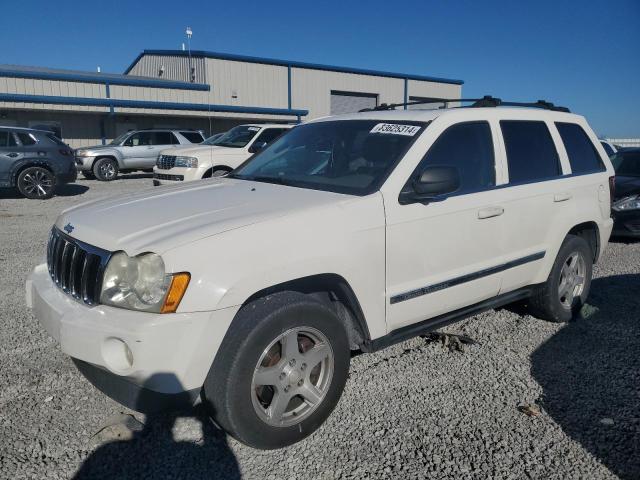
x: 351, y: 102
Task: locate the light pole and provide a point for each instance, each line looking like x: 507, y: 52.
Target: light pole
x: 189, y: 32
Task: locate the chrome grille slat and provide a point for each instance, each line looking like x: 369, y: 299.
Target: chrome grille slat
x: 166, y: 162
x: 76, y: 267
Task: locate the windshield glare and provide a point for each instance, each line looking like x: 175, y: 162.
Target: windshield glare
x: 118, y: 140
x: 626, y: 164
x: 213, y: 139
x: 344, y: 156
x: 237, y: 137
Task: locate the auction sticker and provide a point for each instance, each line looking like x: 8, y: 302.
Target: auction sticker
x: 396, y: 129
x: 253, y: 129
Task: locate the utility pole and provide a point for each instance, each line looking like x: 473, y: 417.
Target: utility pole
x: 189, y: 32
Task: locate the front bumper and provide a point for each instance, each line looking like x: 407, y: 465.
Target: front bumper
x: 626, y: 224
x: 176, y: 174
x: 170, y: 354
x: 84, y: 163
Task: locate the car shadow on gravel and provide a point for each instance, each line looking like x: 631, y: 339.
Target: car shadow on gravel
x: 66, y: 190
x: 153, y: 452
x: 590, y: 375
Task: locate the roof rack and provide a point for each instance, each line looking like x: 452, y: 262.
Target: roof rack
x: 486, y: 101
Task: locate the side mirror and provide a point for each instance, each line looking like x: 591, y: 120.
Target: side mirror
x: 433, y: 183
x: 257, y: 146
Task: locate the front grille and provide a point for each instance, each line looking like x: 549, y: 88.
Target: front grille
x: 166, y: 162
x: 75, y: 267
x: 164, y: 176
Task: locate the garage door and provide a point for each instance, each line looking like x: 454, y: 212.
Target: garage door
x: 350, y: 102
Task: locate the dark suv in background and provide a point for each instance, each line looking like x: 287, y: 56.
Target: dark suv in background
x: 34, y: 161
x: 626, y: 205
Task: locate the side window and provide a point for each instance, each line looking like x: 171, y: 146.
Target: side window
x: 134, y: 140
x: 4, y: 139
x: 469, y: 147
x: 268, y: 135
x: 162, y: 138
x: 607, y: 148
x: 531, y: 153
x: 193, y: 137
x: 583, y: 156
x: 26, y: 139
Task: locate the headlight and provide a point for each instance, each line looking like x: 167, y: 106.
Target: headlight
x: 82, y: 153
x: 188, y: 162
x: 628, y: 203
x: 141, y: 283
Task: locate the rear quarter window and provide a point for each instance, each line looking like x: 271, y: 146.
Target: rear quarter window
x: 193, y: 137
x: 531, y: 153
x: 583, y: 156
x: 26, y: 139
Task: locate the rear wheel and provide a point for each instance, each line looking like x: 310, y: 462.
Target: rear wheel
x: 564, y: 293
x: 105, y: 169
x: 279, y: 372
x: 36, y: 183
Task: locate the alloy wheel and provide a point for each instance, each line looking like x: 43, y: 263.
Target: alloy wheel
x: 572, y: 279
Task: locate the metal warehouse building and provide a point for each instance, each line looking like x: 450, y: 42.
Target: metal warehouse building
x: 202, y: 90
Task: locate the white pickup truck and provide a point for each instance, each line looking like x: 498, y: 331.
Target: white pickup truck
x: 249, y: 292
x: 214, y: 158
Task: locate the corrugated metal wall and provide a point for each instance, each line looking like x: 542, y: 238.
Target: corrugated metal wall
x: 175, y: 68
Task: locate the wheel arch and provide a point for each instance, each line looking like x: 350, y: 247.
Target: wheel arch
x: 590, y: 232
x: 209, y: 172
x: 334, y: 291
x: 27, y: 163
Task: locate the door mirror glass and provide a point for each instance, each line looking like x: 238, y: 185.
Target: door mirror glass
x: 257, y: 146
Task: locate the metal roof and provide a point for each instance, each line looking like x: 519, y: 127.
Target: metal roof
x: 44, y: 73
x: 292, y: 63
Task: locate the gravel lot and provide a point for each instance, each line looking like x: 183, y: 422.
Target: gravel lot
x: 416, y: 410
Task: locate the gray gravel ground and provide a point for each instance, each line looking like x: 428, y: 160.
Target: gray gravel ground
x: 415, y: 410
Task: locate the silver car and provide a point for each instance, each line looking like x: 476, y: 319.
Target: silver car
x: 134, y: 150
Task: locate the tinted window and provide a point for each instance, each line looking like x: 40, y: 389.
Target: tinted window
x: 583, y: 156
x: 607, y: 148
x: 270, y: 134
x: 193, y: 137
x: 164, y: 138
x: 345, y: 156
x: 627, y: 164
x: 238, y: 137
x: 531, y: 153
x: 469, y: 147
x: 151, y: 138
x: 26, y: 139
x: 55, y: 140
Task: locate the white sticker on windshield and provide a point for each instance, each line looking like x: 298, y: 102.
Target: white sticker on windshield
x: 395, y: 129
x: 253, y: 129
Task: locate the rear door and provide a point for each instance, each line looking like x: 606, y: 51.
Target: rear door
x: 535, y: 197
x: 142, y: 148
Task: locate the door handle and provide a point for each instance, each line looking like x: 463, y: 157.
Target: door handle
x: 490, y: 212
x: 562, y: 197
x: 12, y: 155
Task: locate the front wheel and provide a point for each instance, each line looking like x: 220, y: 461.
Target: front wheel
x: 279, y: 372
x: 566, y: 290
x: 36, y: 183
x: 105, y: 169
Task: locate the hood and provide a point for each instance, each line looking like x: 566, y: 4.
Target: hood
x: 626, y: 186
x: 163, y: 218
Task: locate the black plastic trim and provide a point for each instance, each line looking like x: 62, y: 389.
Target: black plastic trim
x: 465, y: 278
x: 431, y: 324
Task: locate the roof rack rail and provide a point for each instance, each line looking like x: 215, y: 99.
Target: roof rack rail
x: 486, y: 101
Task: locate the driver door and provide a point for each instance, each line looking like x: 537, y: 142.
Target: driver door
x: 446, y: 254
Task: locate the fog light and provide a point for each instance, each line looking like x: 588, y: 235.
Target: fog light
x: 117, y: 355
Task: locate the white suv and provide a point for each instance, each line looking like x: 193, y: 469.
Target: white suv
x: 216, y: 156
x: 248, y: 292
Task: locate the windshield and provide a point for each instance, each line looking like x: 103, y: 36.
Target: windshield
x: 344, y: 156
x: 237, y: 137
x: 118, y: 140
x: 213, y: 139
x: 626, y: 164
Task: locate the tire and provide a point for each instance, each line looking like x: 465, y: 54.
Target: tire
x: 105, y: 169
x: 36, y: 183
x: 88, y: 175
x: 250, y: 410
x: 562, y: 296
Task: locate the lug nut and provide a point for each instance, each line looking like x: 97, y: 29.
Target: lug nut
x: 292, y: 362
x: 286, y: 389
x: 282, y: 375
x: 300, y: 382
x: 303, y: 366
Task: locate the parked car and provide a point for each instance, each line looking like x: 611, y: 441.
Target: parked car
x: 35, y: 162
x: 214, y: 157
x: 609, y: 147
x: 626, y: 206
x: 348, y: 233
x: 134, y: 150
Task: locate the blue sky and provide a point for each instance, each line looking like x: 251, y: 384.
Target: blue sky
x: 582, y: 54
